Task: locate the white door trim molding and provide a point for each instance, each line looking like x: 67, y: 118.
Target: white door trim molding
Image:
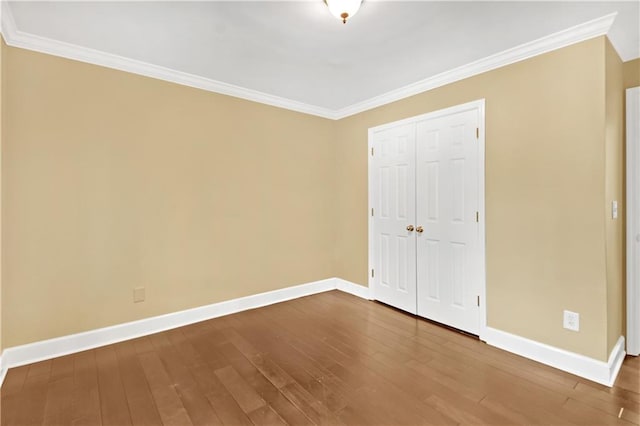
x: 633, y: 220
x: 478, y: 105
x: 51, y: 348
x: 601, y: 372
x: 467, y: 106
x: 481, y: 210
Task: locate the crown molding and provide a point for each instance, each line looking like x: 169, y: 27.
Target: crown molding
x: 576, y: 34
x: 16, y: 38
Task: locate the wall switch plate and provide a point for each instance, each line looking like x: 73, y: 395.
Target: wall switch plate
x: 614, y: 209
x: 571, y: 321
x: 138, y: 294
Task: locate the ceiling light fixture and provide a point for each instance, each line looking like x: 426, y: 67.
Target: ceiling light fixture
x: 343, y: 9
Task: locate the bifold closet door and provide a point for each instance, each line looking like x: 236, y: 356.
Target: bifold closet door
x: 448, y: 247
x: 393, y: 211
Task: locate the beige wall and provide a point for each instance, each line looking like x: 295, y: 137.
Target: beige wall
x: 632, y: 73
x: 113, y: 181
x: 614, y: 190
x: 545, y: 210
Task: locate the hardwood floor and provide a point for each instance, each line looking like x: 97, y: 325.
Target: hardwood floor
x: 330, y: 358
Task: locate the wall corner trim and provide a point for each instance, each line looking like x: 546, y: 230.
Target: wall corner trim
x: 601, y: 372
x: 65, y: 345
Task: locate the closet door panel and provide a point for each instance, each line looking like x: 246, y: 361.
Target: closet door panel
x: 394, y: 250
x: 446, y: 204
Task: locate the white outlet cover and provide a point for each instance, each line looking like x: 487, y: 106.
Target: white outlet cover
x: 571, y: 321
x: 614, y: 209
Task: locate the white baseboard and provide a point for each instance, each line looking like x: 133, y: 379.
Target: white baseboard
x: 3, y: 371
x: 598, y: 371
x: 352, y: 288
x: 601, y: 372
x: 51, y: 348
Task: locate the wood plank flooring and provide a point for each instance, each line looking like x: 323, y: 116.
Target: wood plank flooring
x: 327, y: 359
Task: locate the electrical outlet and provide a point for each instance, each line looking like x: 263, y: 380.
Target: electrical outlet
x: 571, y: 321
x: 614, y: 210
x: 138, y: 294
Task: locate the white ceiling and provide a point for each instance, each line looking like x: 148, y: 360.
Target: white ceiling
x: 296, y: 50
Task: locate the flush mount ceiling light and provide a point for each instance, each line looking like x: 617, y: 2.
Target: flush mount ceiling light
x: 343, y: 9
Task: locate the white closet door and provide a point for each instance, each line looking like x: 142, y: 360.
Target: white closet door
x: 448, y: 250
x: 393, y: 187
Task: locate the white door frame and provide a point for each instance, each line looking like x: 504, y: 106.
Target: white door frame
x: 633, y: 221
x: 478, y: 105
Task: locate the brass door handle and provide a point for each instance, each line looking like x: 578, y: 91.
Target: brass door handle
x: 419, y: 230
x: 410, y: 228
